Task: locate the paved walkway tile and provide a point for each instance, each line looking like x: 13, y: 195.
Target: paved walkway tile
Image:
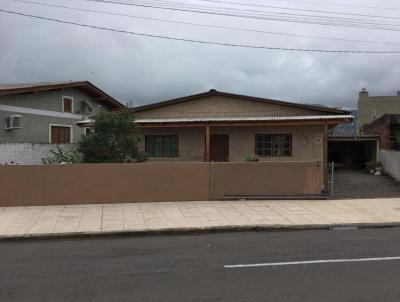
x: 7, y: 216
x: 24, y: 221
x: 112, y: 218
x: 47, y: 220
x: 91, y: 218
x: 68, y: 221
x: 97, y: 218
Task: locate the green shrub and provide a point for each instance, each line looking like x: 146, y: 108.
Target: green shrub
x: 251, y: 158
x: 62, y: 157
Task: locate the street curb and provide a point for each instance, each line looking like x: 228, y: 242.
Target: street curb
x: 197, y: 230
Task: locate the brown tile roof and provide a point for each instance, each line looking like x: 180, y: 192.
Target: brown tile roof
x: 86, y: 86
x: 30, y: 85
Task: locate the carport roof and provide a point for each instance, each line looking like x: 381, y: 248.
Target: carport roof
x: 352, y: 137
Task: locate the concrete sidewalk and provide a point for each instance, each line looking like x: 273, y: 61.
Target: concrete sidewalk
x: 53, y: 221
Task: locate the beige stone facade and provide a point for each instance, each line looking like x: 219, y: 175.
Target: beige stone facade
x: 190, y: 143
x: 307, y: 142
x: 217, y: 106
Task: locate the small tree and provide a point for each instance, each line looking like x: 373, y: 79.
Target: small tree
x: 114, y: 140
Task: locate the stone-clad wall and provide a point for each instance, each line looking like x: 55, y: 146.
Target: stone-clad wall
x: 307, y: 142
x: 28, y: 154
x: 222, y: 107
x: 190, y: 141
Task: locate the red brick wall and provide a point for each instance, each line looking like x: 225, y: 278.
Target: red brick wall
x: 380, y: 127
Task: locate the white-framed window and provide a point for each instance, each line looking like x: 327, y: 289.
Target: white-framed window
x: 13, y: 122
x: 67, y: 104
x: 60, y: 134
x: 87, y: 130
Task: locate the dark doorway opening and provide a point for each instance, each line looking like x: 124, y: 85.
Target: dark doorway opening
x: 352, y: 153
x: 219, y: 148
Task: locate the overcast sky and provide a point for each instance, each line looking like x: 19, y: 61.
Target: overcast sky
x: 145, y: 70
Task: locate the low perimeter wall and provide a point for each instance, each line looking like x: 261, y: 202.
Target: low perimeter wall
x: 391, y: 162
x: 149, y: 182
x: 243, y: 179
x: 28, y: 154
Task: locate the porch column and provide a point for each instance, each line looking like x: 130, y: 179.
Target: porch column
x: 207, y: 144
x: 325, y: 156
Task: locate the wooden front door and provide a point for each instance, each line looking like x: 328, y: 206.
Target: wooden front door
x: 60, y: 135
x: 219, y: 148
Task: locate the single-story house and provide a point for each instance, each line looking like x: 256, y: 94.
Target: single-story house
x: 220, y: 126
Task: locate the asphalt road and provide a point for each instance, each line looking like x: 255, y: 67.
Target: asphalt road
x: 191, y: 267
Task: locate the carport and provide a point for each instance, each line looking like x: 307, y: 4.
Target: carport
x: 353, y: 151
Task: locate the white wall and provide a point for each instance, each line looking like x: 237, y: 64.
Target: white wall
x: 391, y: 162
x: 28, y: 154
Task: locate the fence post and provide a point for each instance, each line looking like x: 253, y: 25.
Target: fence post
x: 211, y: 180
x: 332, y: 176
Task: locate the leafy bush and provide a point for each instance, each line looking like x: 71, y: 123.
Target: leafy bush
x: 251, y: 158
x: 62, y: 157
x: 114, y: 140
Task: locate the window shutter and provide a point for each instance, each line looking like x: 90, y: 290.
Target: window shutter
x: 60, y: 135
x: 67, y: 103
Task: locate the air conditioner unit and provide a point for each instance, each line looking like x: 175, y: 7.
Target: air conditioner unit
x: 12, y: 122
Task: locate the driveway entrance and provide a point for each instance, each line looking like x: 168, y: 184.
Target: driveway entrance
x: 349, y: 184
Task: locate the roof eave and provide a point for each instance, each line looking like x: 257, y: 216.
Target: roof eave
x: 304, y: 121
x: 107, y: 99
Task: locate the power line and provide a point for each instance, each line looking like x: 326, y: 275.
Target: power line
x: 256, y: 17
x: 198, y: 41
x: 298, y: 9
x: 338, y: 4
x: 202, y: 25
x: 308, y: 17
x: 252, y: 11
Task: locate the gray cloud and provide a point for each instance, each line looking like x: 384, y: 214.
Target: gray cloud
x: 144, y: 70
